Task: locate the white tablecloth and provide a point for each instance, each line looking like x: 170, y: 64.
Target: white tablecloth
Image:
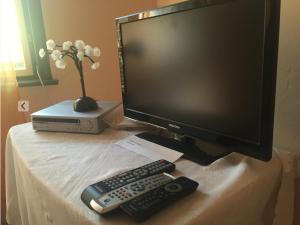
x: 46, y: 173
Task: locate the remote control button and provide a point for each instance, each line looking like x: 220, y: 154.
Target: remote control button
x: 106, y: 200
x: 131, y: 180
x: 123, y: 175
x: 140, y: 172
x: 173, y: 187
x: 136, y: 187
x: 136, y: 172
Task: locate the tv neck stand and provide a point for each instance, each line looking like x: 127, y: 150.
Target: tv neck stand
x: 187, y: 146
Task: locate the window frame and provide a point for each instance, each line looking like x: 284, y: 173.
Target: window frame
x: 36, y: 39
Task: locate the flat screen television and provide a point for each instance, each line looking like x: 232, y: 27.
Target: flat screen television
x: 205, y: 70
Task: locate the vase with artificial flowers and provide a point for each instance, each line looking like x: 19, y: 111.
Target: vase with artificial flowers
x: 77, y: 52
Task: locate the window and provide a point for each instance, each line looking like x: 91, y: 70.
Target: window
x: 12, y: 40
x: 24, y: 22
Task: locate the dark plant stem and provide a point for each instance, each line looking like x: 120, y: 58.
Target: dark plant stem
x: 89, y: 58
x: 82, y: 79
x: 72, y: 53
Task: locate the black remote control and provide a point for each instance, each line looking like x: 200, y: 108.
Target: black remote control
x: 100, y: 188
x: 151, y: 202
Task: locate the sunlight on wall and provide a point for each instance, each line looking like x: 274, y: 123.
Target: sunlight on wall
x: 10, y: 39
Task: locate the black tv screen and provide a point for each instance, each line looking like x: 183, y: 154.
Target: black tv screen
x: 200, y: 69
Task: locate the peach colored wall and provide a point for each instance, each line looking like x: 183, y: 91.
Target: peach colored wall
x: 162, y: 3
x: 94, y: 22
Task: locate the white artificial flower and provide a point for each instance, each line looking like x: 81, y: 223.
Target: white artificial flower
x: 97, y: 52
x: 88, y: 50
x: 50, y: 44
x: 55, y: 55
x: 79, y: 44
x: 95, y: 65
x: 60, y: 64
x: 80, y: 55
x: 42, y: 53
x: 66, y: 45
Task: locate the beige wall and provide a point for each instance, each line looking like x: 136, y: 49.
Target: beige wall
x: 287, y: 115
x: 94, y: 22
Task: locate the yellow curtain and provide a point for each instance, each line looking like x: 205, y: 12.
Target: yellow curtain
x: 9, y: 53
x: 9, y: 116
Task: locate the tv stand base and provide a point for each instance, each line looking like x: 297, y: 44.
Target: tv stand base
x: 188, y: 148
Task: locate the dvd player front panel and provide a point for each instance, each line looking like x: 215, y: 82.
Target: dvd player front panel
x: 92, y: 126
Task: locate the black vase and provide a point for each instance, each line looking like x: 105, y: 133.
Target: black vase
x: 85, y: 104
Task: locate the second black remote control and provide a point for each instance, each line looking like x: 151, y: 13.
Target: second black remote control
x: 151, y: 202
x: 96, y: 190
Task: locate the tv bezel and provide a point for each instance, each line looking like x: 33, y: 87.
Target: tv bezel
x: 261, y: 150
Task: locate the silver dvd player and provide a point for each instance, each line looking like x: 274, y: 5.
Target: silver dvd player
x: 62, y: 117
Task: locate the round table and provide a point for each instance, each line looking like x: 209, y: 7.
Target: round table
x: 46, y: 173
